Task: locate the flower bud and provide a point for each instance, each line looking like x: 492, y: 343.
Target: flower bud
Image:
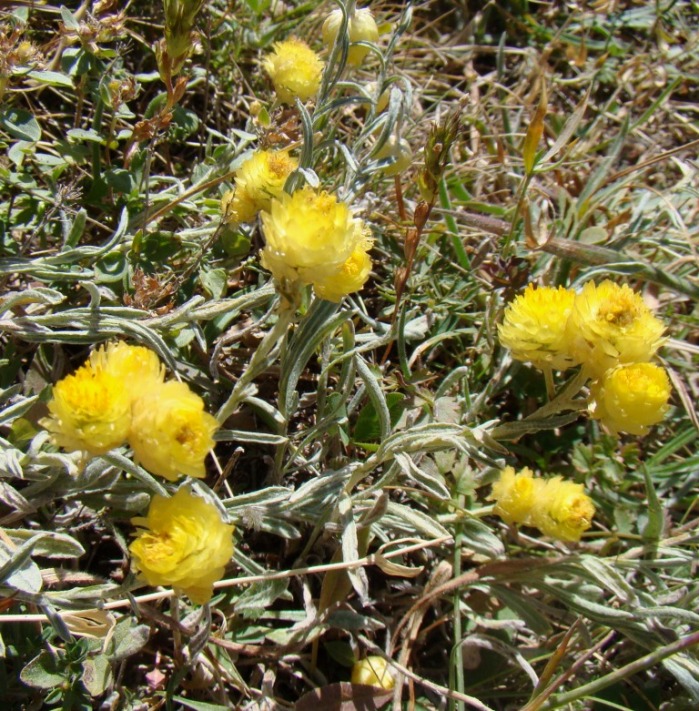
x: 361, y: 28
x: 399, y: 151
x: 373, y: 671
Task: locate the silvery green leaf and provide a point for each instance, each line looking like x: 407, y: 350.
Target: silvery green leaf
x: 415, y: 522
x: 426, y: 476
x: 127, y: 639
x: 12, y: 498
x: 350, y: 548
x: 17, y: 569
x: 51, y: 545
x: 479, y: 538
x: 259, y: 596
x: 686, y: 671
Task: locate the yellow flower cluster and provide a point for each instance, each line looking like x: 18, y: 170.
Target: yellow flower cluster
x: 558, y: 508
x: 184, y: 543
x: 361, y: 27
x: 295, y: 70
x: 610, y: 331
x: 311, y: 238
x: 120, y: 395
x: 259, y: 179
x: 610, y: 325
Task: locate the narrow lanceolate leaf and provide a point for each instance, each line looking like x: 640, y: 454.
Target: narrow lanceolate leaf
x: 534, y: 133
x: 17, y: 570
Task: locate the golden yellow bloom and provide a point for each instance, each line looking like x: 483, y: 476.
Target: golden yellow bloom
x: 558, y: 508
x: 562, y: 510
x: 295, y: 70
x: 183, y: 543
x: 631, y: 398
x: 361, y: 28
x: 373, y: 671
x: 351, y: 277
x: 515, y: 495
x: 90, y: 411
x: 534, y: 326
x: 310, y: 236
x: 170, y: 432
x: 259, y: 179
x: 137, y: 367
x: 610, y: 325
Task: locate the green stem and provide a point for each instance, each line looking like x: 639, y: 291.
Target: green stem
x: 456, y: 668
x: 96, y: 125
x: 260, y: 361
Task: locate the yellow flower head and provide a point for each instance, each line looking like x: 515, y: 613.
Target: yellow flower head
x: 515, y: 495
x: 139, y: 368
x: 631, y: 398
x: 259, y: 179
x: 183, y: 543
x: 309, y: 236
x: 373, y: 671
x: 170, y: 432
x: 350, y: 278
x: 361, y: 28
x: 90, y: 411
x: 562, y: 510
x: 534, y: 326
x: 610, y: 325
x: 558, y: 508
x: 295, y: 70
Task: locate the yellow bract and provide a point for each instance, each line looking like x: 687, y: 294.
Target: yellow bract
x: 361, y: 28
x: 183, y: 543
x: 373, y: 671
x: 558, y: 508
x: 259, y: 179
x: 311, y: 238
x: 295, y: 70
x: 171, y: 434
x: 610, y: 325
x: 534, y: 326
x: 90, y: 411
x: 631, y: 398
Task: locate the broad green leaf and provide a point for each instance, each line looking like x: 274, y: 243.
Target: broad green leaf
x: 52, y: 78
x: 367, y: 428
x: 20, y: 124
x: 128, y: 638
x: 43, y: 672
x: 97, y: 675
